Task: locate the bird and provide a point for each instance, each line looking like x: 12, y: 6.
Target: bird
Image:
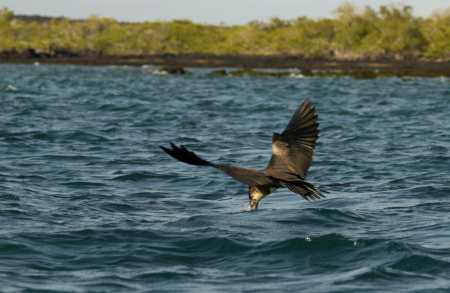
x: 292, y: 155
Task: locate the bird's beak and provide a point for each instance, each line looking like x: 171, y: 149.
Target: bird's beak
x: 253, y: 206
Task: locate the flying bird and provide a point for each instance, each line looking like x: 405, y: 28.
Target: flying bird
x: 292, y: 154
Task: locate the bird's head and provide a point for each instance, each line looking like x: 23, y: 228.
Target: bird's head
x: 255, y: 194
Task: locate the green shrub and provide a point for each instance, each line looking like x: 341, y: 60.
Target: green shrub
x: 392, y: 31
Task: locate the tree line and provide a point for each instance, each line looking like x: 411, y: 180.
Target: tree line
x: 391, y: 32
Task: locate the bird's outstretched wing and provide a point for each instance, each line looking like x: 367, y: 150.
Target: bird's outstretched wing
x: 244, y: 175
x: 292, y: 150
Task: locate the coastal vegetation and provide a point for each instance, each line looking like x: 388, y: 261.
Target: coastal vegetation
x: 392, y: 32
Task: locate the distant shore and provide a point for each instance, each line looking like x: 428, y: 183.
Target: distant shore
x: 224, y: 61
x: 390, y: 40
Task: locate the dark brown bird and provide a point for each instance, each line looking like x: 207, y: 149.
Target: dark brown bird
x: 292, y: 153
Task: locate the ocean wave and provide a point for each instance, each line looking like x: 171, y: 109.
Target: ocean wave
x: 7, y: 88
x: 136, y: 176
x: 83, y: 184
x: 89, y: 202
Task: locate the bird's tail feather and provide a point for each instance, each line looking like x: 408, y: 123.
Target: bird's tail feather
x: 308, y: 191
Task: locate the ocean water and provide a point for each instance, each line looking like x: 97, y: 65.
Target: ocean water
x: 90, y: 203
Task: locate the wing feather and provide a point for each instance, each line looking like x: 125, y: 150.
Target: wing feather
x: 244, y: 175
x: 293, y: 149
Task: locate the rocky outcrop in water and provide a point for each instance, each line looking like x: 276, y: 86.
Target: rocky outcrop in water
x: 173, y: 62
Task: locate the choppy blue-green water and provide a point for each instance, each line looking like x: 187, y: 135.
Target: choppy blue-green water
x: 90, y: 203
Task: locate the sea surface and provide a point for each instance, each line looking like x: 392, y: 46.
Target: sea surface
x: 90, y: 203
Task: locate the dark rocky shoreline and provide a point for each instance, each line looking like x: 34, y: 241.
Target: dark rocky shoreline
x: 389, y: 66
